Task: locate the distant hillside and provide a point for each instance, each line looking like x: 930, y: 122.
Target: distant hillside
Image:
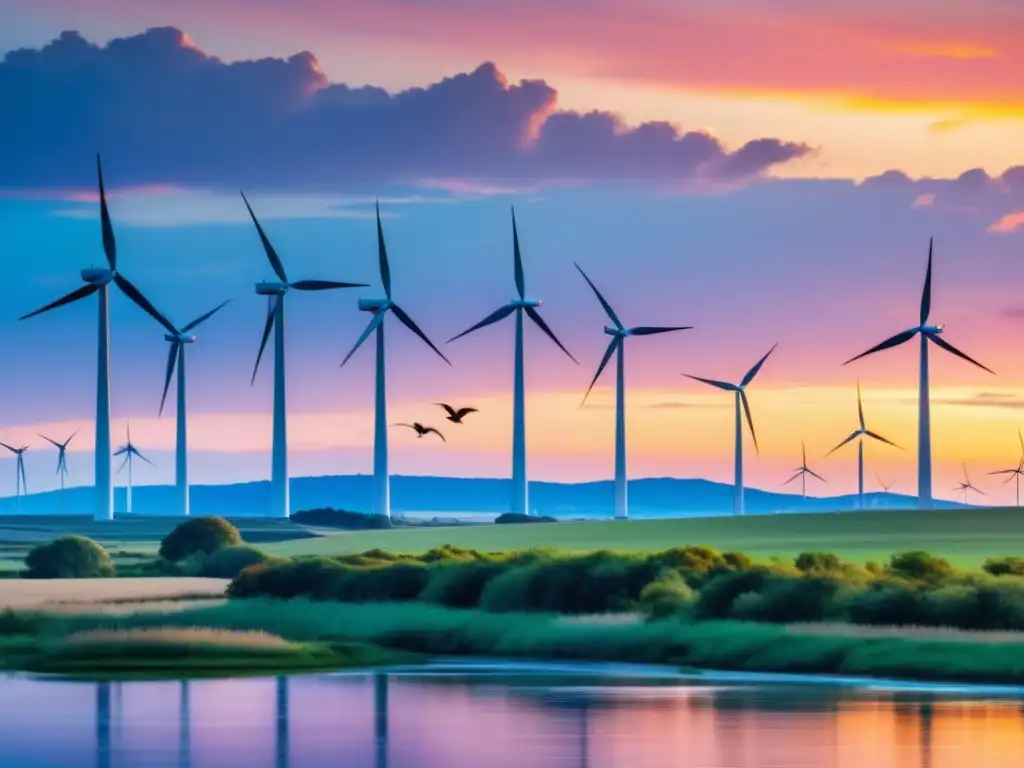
x: 656, y: 497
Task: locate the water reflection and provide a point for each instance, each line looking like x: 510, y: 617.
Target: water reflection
x: 460, y: 719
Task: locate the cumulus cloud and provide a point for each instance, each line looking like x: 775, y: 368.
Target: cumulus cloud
x: 161, y: 110
x: 1010, y: 222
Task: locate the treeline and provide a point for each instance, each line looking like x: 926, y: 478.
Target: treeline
x: 698, y: 583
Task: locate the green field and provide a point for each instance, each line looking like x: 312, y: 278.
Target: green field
x: 965, y: 537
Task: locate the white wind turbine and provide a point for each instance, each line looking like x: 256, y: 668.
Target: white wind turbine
x: 619, y: 333
x: 379, y: 308
x: 965, y: 486
x: 886, y: 487
x: 520, y: 491
x: 62, y: 462
x: 861, y: 432
x: 128, y: 450
x: 928, y: 333
x: 20, y: 483
x: 275, y: 293
x: 802, y: 472
x: 176, y: 359
x: 97, y: 280
x: 742, y: 406
x: 1016, y: 472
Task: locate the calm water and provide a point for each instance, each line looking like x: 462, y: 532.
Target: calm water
x: 463, y: 716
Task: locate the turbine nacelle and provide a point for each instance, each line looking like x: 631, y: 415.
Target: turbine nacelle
x: 98, y: 275
x: 616, y: 331
x: 267, y: 288
x: 373, y: 305
x: 932, y: 329
x: 181, y: 338
x: 525, y: 303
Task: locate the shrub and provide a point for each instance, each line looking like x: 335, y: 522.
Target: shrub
x: 228, y: 562
x: 1004, y: 566
x: 737, y: 561
x: 68, y: 557
x: 716, y: 597
x: 460, y: 585
x: 519, y: 517
x: 787, y: 600
x: 668, y: 595
x: 328, y: 517
x: 201, y: 534
x: 920, y: 566
x: 886, y: 604
x: 817, y: 563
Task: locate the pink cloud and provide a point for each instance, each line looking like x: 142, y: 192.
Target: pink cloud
x: 1011, y: 222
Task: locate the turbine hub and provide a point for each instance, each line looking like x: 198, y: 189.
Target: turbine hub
x: 271, y: 289
x: 373, y: 305
x: 98, y: 275
x: 936, y: 329
x: 616, y: 331
x: 181, y: 338
x: 524, y: 303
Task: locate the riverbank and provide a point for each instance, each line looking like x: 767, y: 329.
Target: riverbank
x: 966, y: 657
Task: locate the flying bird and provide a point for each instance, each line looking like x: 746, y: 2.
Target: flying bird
x: 456, y: 416
x: 422, y: 430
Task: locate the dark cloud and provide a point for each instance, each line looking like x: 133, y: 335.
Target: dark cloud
x: 162, y: 110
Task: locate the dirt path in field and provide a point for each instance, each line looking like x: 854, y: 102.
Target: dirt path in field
x: 109, y: 595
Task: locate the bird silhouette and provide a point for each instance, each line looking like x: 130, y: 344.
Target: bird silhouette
x: 422, y: 430
x: 456, y: 416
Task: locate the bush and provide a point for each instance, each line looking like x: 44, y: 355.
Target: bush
x: 68, y: 557
x: 716, y: 598
x: 519, y: 517
x: 461, y: 585
x: 1004, y: 566
x: 788, y: 600
x: 668, y: 595
x: 199, y: 535
x: 228, y: 562
x: 339, y: 518
x: 920, y: 566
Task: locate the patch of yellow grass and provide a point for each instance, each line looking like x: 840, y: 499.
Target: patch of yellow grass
x: 44, y: 594
x: 184, y: 636
x: 840, y: 629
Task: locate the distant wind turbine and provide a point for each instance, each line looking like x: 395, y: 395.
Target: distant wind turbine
x: 62, y: 462
x: 379, y: 309
x: 275, y: 293
x: 742, y: 406
x: 1016, y: 472
x: 520, y: 491
x: 802, y: 472
x: 965, y: 486
x: 885, y: 489
x: 176, y: 359
x: 97, y: 280
x: 128, y: 450
x: 20, y: 483
x: 617, y: 345
x: 928, y: 333
x: 861, y: 432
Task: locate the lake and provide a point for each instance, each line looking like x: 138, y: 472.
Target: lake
x: 471, y: 715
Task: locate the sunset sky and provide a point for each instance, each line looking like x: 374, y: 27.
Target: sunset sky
x: 765, y: 172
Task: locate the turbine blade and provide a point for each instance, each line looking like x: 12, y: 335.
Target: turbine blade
x: 271, y: 316
x: 794, y: 477
x: 757, y: 367
x: 172, y: 360
x: 145, y: 459
x: 607, y: 307
x: 24, y: 482
x: 950, y: 348
x: 750, y: 420
x: 68, y: 441
x: 812, y: 473
x: 135, y: 295
x: 203, y: 318
x: 1003, y: 472
x: 892, y: 341
x: 9, y: 448
x: 123, y: 464
x: 54, y: 443
x: 534, y: 315
x: 272, y: 257
x: 1021, y: 438
x: 109, y: 244
x: 498, y: 314
x: 926, y: 293
x: 877, y: 436
x: 323, y: 285
x: 860, y: 407
x: 651, y: 330
x: 966, y: 476
x: 411, y: 325
x: 850, y: 439
x: 977, y: 490
x: 79, y: 293
x: 382, y: 256
x: 612, y: 346
x: 803, y: 453
x: 518, y: 258
x: 122, y: 450
x: 720, y: 384
x: 372, y: 326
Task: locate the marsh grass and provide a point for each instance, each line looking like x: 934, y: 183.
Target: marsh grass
x: 175, y: 637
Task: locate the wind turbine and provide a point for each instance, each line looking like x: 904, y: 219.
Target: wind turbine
x: 885, y: 490
x: 1017, y: 471
x: 62, y: 462
x: 275, y: 293
x: 861, y: 432
x: 741, y: 403
x: 176, y: 358
x: 802, y: 472
x: 128, y: 450
x: 379, y: 309
x: 520, y: 491
x: 928, y: 333
x: 964, y: 487
x: 617, y: 345
x: 20, y: 483
x: 97, y: 280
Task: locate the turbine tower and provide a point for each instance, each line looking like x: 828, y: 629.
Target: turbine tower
x: 275, y: 293
x: 802, y: 472
x: 861, y: 432
x: 20, y: 483
x: 62, y: 462
x: 924, y: 429
x: 741, y: 404
x: 1016, y: 472
x: 520, y: 490
x: 128, y: 450
x: 379, y: 309
x: 965, y: 486
x: 97, y: 280
x: 176, y: 359
x: 617, y: 345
